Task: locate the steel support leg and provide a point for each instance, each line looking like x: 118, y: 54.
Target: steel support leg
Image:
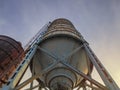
x: 109, y: 82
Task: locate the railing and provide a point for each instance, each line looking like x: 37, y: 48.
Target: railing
x: 29, y: 49
x: 37, y: 36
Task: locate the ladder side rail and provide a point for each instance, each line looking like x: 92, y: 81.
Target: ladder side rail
x: 13, y: 81
x: 37, y: 36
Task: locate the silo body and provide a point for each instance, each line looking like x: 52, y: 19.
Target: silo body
x: 11, y: 54
x: 60, y: 40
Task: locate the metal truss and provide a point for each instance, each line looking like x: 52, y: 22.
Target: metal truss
x: 30, y: 49
x: 88, y: 84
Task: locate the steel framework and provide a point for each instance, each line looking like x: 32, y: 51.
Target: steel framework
x: 88, y: 84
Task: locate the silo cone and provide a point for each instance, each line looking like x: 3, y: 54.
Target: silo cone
x: 60, y: 40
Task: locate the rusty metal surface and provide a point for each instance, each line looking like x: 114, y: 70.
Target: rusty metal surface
x: 11, y: 53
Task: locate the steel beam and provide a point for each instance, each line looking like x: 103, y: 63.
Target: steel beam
x: 74, y: 51
x: 85, y: 76
x: 13, y: 81
x: 109, y: 85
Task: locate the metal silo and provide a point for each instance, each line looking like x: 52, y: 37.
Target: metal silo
x: 64, y: 42
x: 59, y: 59
x: 11, y: 54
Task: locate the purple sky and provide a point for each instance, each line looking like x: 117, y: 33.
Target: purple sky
x: 97, y: 20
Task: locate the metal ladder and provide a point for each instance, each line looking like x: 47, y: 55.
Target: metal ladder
x: 30, y: 49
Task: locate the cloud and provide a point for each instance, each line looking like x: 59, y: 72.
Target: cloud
x: 97, y: 20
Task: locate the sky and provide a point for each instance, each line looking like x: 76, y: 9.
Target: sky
x: 97, y: 20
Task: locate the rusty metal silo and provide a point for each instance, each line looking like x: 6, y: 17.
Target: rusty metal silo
x: 11, y: 54
x: 61, y: 40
